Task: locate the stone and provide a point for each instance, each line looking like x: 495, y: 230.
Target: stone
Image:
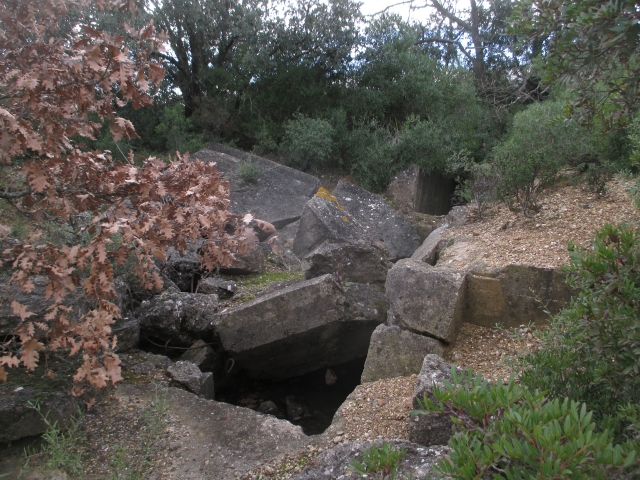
x: 430, y: 249
x: 179, y: 317
x: 515, y: 295
x: 234, y: 436
x: 433, y: 428
x: 217, y: 285
x: 144, y: 363
x: 36, y: 303
x: 299, y: 328
x: 269, y: 408
x: 403, y: 188
x: 53, y: 395
x: 189, y: 375
x: 131, y: 293
x: 365, y: 302
x: 456, y: 217
x: 277, y: 197
x: 353, y: 215
x: 425, y: 299
x: 394, y: 352
x: 295, y: 409
x: 381, y: 222
x: 127, y: 331
x: 335, y: 463
x: 352, y: 263
x: 202, y: 355
x: 182, y: 269
x: 254, y: 261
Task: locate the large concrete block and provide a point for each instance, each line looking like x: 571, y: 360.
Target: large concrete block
x: 394, y: 352
x: 425, y: 299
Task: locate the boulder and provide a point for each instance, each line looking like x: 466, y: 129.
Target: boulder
x: 434, y: 428
x: 299, y: 328
x: 18, y: 420
x: 425, y: 299
x: 127, y: 330
x: 277, y: 197
x: 353, y: 215
x: 36, y: 303
x: 131, y: 293
x: 394, y: 352
x: 515, y: 295
x: 381, y: 222
x: 217, y: 285
x: 202, y: 355
x: 179, y: 317
x: 144, y: 363
x: 218, y: 441
x: 254, y: 261
x: 403, y: 188
x: 430, y: 249
x: 53, y: 395
x: 189, y: 375
x: 365, y: 302
x: 418, y: 461
x: 456, y: 217
x: 352, y: 263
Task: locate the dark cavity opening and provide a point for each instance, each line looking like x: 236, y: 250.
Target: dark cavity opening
x: 434, y: 193
x: 306, y: 400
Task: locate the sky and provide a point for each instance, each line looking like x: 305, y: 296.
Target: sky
x: 374, y: 6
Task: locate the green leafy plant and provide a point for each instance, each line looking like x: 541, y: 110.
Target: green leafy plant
x: 61, y: 447
x: 477, y: 182
x: 538, y: 146
x: 307, y: 141
x: 381, y: 461
x: 249, y: 171
x: 513, y: 432
x: 591, y: 350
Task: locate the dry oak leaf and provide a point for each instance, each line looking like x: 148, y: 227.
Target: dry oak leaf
x: 21, y: 310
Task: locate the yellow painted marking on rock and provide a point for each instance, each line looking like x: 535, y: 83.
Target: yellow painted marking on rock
x: 345, y: 218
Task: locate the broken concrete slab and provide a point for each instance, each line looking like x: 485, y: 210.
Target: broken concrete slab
x: 277, y: 197
x: 381, y: 222
x: 394, y: 352
x: 298, y: 329
x: 352, y: 215
x: 514, y: 295
x: 242, y: 439
x: 427, y: 300
x: 351, y: 263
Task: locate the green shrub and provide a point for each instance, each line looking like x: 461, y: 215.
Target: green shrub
x: 538, y: 146
x: 307, y: 141
x: 371, y: 156
x: 591, y: 350
x: 510, y: 431
x: 178, y: 131
x: 477, y: 182
x: 383, y: 461
x: 249, y: 171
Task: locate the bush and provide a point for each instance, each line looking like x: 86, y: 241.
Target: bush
x: 178, y: 131
x: 513, y: 432
x: 371, y: 156
x: 477, y: 182
x: 249, y: 171
x: 307, y: 141
x: 591, y: 350
x: 538, y: 146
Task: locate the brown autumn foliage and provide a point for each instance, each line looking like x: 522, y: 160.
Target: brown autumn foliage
x: 49, y: 84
